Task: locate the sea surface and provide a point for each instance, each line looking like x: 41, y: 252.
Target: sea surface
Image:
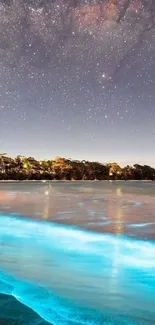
x: 75, y: 253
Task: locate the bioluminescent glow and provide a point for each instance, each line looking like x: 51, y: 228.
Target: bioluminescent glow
x: 139, y: 225
x: 71, y: 276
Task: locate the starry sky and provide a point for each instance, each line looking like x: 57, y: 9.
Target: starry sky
x: 77, y: 79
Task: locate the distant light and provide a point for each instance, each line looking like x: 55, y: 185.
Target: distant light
x: 118, y: 191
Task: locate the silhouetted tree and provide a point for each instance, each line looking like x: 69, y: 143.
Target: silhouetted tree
x: 23, y: 168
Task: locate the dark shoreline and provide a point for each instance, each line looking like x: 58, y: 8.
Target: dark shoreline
x: 13, y: 312
x: 59, y: 169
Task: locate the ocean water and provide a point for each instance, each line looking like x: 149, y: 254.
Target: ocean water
x: 77, y: 253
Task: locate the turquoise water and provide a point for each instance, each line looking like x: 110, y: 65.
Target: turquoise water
x: 69, y: 275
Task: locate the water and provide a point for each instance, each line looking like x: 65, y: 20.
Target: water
x: 77, y: 253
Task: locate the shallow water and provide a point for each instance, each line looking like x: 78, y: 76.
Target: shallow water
x: 79, y: 253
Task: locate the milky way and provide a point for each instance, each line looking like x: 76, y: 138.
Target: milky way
x: 67, y: 65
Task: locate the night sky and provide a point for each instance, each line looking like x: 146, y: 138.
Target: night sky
x: 77, y: 79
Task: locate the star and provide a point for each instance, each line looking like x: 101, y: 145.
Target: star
x: 70, y: 69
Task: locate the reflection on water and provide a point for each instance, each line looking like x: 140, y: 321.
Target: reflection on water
x: 79, y: 254
x: 101, y: 206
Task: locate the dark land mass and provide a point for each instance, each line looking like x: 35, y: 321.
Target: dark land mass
x: 28, y: 168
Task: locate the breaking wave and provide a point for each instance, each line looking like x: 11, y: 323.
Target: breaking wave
x: 70, y: 276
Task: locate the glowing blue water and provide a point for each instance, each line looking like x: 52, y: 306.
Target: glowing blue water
x: 71, y: 276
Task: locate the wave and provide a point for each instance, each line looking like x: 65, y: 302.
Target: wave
x: 70, y: 276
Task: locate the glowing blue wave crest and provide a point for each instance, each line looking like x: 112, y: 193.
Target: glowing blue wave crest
x: 71, y: 276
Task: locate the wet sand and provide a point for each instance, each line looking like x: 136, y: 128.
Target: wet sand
x: 12, y: 312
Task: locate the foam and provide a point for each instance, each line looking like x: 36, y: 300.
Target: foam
x: 71, y: 276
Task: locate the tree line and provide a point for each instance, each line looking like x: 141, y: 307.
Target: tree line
x: 28, y: 168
